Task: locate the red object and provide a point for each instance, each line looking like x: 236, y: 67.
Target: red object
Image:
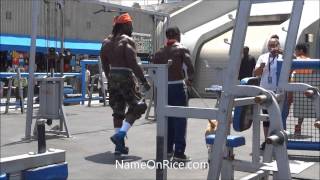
x: 170, y: 42
x: 15, y: 61
x: 66, y: 68
x: 122, y: 19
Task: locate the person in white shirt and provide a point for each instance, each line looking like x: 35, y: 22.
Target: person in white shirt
x: 104, y: 80
x: 266, y: 68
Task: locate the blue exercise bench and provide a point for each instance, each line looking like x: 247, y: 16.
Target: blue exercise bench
x: 50, y: 165
x: 233, y: 141
x: 3, y: 176
x: 50, y: 172
x: 241, y: 120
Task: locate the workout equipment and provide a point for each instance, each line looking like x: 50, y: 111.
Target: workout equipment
x: 163, y: 111
x: 51, y: 103
x: 243, y: 114
x: 69, y: 98
x: 18, y: 88
x: 149, y: 95
x: 36, y: 166
x: 83, y: 64
x: 57, y: 84
x: 32, y: 166
x: 307, y: 137
x: 100, y: 81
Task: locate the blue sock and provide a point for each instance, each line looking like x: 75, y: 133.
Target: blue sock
x: 122, y: 134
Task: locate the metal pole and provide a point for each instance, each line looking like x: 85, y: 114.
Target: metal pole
x: 20, y: 89
x: 290, y: 41
x: 289, y: 47
x: 226, y: 103
x: 62, y: 56
x: 41, y: 129
x: 103, y: 88
x: 34, y: 30
x: 162, y: 121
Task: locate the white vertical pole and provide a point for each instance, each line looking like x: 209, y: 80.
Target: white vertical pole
x: 103, y: 88
x: 291, y: 38
x: 290, y: 41
x: 62, y: 12
x: 225, y: 107
x: 162, y: 120
x: 34, y: 31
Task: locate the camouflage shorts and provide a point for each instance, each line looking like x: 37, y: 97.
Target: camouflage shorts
x: 123, y: 92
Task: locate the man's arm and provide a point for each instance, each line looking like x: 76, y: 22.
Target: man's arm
x: 187, y: 61
x: 259, y: 67
x: 131, y: 58
x: 104, y: 61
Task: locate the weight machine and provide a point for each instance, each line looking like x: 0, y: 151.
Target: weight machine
x: 45, y: 164
x: 302, y: 105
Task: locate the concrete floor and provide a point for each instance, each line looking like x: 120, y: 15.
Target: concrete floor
x: 90, y: 151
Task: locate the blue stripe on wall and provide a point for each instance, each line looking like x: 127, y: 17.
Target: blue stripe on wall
x: 22, y: 43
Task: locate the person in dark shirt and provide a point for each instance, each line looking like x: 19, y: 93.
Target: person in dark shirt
x: 248, y: 63
x: 180, y: 56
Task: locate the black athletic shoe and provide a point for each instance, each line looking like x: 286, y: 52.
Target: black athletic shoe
x: 181, y: 158
x: 118, y: 151
x: 120, y: 146
x: 263, y: 146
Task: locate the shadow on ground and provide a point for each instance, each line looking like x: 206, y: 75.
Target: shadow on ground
x: 109, y: 158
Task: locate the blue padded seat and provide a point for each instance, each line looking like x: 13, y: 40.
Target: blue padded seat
x: 232, y: 140
x: 3, y: 176
x: 50, y: 172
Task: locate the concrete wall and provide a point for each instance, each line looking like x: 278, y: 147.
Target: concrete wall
x: 15, y: 16
x: 80, y: 20
x: 213, y: 59
x: 200, y: 13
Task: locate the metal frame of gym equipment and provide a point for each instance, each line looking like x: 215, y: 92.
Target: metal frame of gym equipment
x: 312, y: 92
x: 151, y: 103
x: 20, y: 89
x: 223, y: 115
x: 15, y: 165
x: 277, y: 138
x: 26, y: 75
x: 83, y: 64
x: 51, y: 104
x: 276, y: 132
x: 34, y: 31
x: 41, y: 165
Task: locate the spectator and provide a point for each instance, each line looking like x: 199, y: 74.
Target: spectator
x: 266, y: 68
x: 301, y: 54
x: 248, y: 64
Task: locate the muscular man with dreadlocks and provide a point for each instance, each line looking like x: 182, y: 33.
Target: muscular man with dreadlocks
x: 118, y: 55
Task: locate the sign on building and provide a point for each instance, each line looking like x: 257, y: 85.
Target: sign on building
x: 143, y: 42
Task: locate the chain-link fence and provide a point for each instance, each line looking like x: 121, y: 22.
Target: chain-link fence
x: 301, y: 117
